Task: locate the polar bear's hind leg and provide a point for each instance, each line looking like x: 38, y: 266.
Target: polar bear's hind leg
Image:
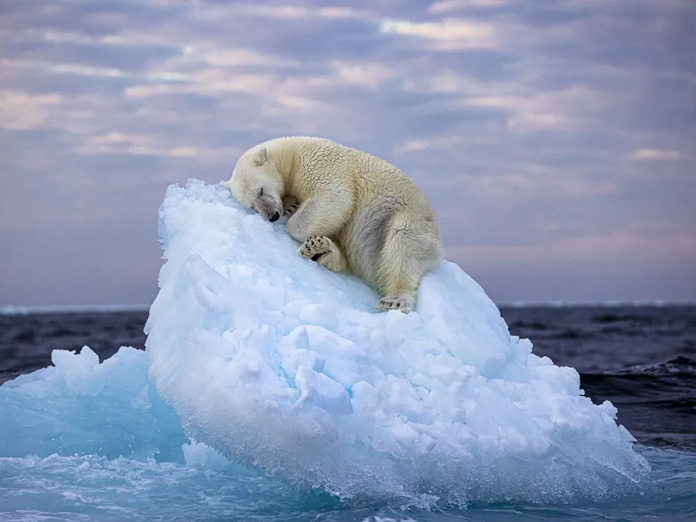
x: 409, y: 251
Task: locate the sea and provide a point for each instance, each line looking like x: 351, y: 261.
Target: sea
x: 642, y: 358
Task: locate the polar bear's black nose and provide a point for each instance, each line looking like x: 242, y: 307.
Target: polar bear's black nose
x: 275, y: 217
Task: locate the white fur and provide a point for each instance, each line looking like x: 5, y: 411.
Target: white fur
x: 349, y: 209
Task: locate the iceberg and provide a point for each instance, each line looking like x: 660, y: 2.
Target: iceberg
x: 82, y: 407
x: 281, y: 365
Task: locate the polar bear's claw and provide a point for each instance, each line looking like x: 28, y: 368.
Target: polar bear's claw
x: 401, y: 303
x: 290, y: 210
x: 290, y: 206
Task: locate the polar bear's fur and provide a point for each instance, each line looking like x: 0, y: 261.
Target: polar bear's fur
x: 348, y: 209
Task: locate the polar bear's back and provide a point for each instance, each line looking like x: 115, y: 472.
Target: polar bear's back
x: 321, y: 160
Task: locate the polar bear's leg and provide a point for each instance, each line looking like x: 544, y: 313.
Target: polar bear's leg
x: 325, y: 252
x: 400, y: 276
x: 410, y: 250
x: 319, y: 216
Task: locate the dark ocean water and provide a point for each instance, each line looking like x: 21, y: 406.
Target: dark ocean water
x: 641, y: 358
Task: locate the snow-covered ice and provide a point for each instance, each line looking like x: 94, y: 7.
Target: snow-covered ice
x: 277, y: 363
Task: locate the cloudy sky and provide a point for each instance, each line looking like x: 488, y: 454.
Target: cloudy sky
x: 554, y: 138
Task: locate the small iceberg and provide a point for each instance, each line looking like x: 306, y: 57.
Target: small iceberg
x: 279, y: 364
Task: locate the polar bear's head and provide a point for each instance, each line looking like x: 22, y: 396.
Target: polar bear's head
x: 256, y: 184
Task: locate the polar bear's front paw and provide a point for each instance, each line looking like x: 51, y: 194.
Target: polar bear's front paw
x: 400, y: 302
x: 315, y: 247
x: 290, y: 206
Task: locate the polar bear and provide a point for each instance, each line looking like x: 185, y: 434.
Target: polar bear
x: 350, y: 210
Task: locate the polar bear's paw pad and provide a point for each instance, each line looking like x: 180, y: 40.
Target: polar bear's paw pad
x: 400, y: 302
x: 315, y: 247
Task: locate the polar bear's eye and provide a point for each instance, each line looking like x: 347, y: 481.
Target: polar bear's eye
x: 261, y: 191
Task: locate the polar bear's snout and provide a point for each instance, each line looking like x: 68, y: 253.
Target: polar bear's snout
x: 269, y: 206
x: 271, y: 210
x: 271, y: 213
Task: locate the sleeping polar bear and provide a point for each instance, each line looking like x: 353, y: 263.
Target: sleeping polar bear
x: 348, y: 209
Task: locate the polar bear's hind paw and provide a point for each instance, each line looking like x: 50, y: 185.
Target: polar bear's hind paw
x: 401, y: 303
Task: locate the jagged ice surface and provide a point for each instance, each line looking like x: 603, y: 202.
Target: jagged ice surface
x: 278, y: 363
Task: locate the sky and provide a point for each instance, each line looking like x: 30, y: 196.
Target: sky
x: 555, y: 139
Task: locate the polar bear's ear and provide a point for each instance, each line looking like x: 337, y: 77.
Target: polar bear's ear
x: 260, y: 157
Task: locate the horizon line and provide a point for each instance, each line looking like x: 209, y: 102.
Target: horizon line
x: 9, y: 309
